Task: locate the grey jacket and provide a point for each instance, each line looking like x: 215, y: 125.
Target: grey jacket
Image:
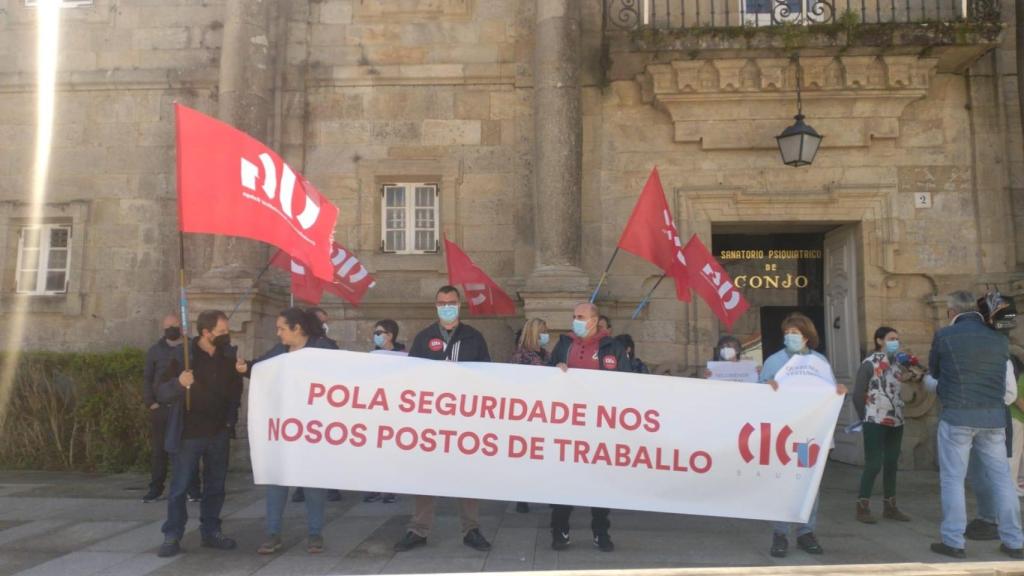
x: 969, y: 360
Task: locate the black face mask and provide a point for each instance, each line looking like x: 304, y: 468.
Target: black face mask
x: 222, y: 341
x: 172, y: 332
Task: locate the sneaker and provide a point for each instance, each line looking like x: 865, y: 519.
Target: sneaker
x: 979, y: 529
x: 780, y: 546
x: 475, y: 540
x: 315, y: 544
x: 603, y: 542
x: 1015, y: 553
x: 195, y: 497
x: 371, y: 497
x: 809, y: 543
x: 522, y: 508
x: 333, y: 495
x: 388, y: 498
x: 151, y: 496
x: 299, y: 495
x: 169, y: 548
x: 409, y: 541
x: 270, y: 546
x: 941, y: 548
x: 219, y: 541
x: 560, y: 539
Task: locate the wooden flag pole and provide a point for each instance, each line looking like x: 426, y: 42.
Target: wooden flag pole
x: 647, y: 298
x: 184, y: 313
x: 604, y: 275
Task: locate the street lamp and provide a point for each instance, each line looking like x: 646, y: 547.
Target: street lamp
x: 798, y: 144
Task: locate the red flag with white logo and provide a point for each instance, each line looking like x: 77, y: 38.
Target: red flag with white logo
x: 651, y: 234
x: 305, y: 286
x: 231, y: 184
x: 483, y: 295
x: 712, y: 283
x: 351, y: 279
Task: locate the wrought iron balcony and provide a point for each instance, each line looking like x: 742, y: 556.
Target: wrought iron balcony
x: 675, y: 14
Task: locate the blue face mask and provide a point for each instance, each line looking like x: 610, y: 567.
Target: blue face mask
x: 892, y: 346
x: 378, y: 340
x: 544, y: 339
x: 794, y: 342
x: 579, y: 328
x: 448, y: 313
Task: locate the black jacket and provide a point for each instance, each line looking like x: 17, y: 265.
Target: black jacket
x: 465, y: 345
x: 611, y: 354
x: 172, y: 393
x: 321, y: 342
x: 159, y: 360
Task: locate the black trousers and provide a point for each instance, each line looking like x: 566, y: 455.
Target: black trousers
x: 159, y: 458
x: 599, y: 522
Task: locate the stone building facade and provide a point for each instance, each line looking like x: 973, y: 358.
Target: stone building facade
x: 524, y: 131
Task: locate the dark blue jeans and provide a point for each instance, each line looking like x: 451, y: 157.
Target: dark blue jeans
x: 214, y: 452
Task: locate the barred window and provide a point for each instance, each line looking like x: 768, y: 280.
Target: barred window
x: 44, y: 255
x: 409, y: 218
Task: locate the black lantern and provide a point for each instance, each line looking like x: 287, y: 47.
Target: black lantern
x: 798, y: 143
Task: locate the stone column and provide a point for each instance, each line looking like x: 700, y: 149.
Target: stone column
x: 246, y: 101
x: 557, y: 280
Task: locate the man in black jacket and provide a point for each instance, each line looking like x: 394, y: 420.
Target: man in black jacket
x: 588, y: 348
x: 451, y: 340
x: 203, y: 401
x: 159, y: 360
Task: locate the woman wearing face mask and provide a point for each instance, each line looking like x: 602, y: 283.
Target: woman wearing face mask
x: 800, y: 337
x: 385, y: 338
x: 876, y: 397
x: 727, y: 350
x: 531, y: 350
x: 296, y: 329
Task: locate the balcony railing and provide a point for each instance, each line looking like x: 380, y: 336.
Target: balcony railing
x: 668, y: 14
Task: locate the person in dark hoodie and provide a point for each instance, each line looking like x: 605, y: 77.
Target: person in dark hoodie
x: 589, y: 348
x: 296, y: 329
x: 451, y: 340
x: 203, y: 404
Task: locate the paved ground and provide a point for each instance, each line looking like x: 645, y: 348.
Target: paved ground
x: 68, y: 524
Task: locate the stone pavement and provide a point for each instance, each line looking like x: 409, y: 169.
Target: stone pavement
x: 77, y: 524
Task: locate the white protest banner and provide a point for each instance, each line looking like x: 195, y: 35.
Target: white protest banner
x: 356, y: 421
x: 742, y: 371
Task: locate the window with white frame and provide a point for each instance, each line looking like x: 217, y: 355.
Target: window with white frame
x: 44, y: 253
x: 409, y: 218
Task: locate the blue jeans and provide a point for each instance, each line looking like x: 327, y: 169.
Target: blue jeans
x: 801, y: 529
x: 277, y: 496
x: 990, y: 477
x: 214, y: 452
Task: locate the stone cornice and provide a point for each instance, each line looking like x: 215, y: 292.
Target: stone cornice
x: 742, y: 103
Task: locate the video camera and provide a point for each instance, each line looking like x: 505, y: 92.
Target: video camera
x: 999, y: 311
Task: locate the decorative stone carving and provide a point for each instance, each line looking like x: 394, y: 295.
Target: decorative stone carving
x: 742, y: 103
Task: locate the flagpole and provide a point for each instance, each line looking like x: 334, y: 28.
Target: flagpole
x: 647, y: 298
x: 184, y: 312
x: 604, y: 275
x: 254, y: 282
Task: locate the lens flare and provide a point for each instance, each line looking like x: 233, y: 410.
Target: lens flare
x: 47, y: 51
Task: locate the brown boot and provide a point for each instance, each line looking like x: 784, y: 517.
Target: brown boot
x: 864, y: 511
x: 891, y: 512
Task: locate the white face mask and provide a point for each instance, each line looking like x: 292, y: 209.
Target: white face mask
x: 727, y: 353
x: 327, y: 329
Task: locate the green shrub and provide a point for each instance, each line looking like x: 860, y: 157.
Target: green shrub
x: 76, y: 411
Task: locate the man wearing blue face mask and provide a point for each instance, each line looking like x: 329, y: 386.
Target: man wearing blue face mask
x: 592, y: 348
x: 451, y: 340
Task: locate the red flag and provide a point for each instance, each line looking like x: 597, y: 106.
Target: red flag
x: 651, y: 234
x: 305, y: 286
x: 482, y: 293
x: 713, y: 284
x: 351, y: 279
x: 230, y: 183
